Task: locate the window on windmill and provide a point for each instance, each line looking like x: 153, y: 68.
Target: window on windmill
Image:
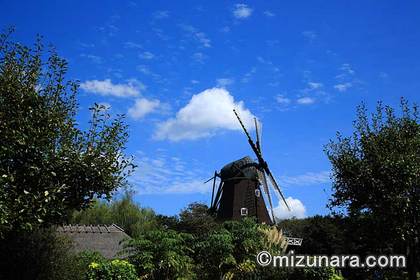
x: 257, y: 193
x: 244, y: 211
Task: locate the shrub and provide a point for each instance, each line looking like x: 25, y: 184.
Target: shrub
x: 162, y: 254
x: 110, y: 270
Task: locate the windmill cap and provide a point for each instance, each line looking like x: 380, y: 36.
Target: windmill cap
x: 244, y: 168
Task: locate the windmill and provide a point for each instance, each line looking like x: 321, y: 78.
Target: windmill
x: 239, y: 192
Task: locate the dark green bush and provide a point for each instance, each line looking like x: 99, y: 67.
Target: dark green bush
x: 39, y: 255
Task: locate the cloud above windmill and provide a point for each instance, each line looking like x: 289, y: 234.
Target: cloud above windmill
x: 206, y: 114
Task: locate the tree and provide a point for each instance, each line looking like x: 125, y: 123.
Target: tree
x: 124, y: 212
x: 196, y: 220
x: 322, y: 235
x: 376, y: 174
x: 48, y: 165
x: 162, y: 254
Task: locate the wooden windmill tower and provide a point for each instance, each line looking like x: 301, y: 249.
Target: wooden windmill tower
x: 239, y: 193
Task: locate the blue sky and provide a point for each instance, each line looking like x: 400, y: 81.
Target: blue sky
x: 176, y: 68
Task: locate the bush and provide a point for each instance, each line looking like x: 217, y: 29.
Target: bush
x: 110, y: 270
x: 162, y: 254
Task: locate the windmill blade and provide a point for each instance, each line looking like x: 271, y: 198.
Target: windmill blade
x: 218, y: 194
x: 214, y: 185
x: 258, y: 143
x: 267, y: 191
x: 275, y: 185
x: 263, y: 180
x: 251, y: 143
x: 261, y: 161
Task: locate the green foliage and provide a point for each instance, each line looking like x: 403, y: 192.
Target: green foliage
x: 161, y: 254
x: 48, y: 166
x: 230, y: 250
x: 196, y: 220
x: 327, y: 273
x: 377, y: 176
x: 280, y: 273
x: 123, y: 212
x: 214, y: 255
x: 111, y: 270
x: 247, y: 239
x: 82, y: 261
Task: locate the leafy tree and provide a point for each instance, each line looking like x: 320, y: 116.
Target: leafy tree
x: 376, y: 175
x: 48, y: 165
x: 196, y: 220
x: 247, y: 238
x: 321, y: 234
x: 162, y: 254
x: 124, y: 212
x: 214, y: 254
x: 230, y: 250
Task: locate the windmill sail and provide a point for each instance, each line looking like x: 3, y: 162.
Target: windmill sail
x: 263, y: 164
x: 239, y: 192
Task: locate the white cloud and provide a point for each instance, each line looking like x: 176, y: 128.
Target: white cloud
x: 164, y: 174
x: 206, y: 114
x: 143, y: 69
x: 281, y: 99
x: 224, y: 82
x: 132, y: 45
x: 202, y: 38
x: 107, y: 88
x: 297, y: 209
x: 343, y: 87
x: 305, y: 100
x: 142, y: 107
x: 269, y: 13
x: 199, y: 36
x: 146, y: 55
x: 347, y: 69
x: 94, y: 58
x: 307, y: 179
x: 249, y: 75
x: 346, y: 72
x: 313, y: 85
x: 199, y: 57
x: 242, y: 11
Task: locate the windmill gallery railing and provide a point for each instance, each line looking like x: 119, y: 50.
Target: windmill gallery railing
x: 293, y: 241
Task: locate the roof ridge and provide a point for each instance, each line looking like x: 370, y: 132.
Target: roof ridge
x: 96, y: 228
x: 120, y: 228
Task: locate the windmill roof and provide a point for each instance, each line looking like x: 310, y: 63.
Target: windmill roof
x: 105, y: 239
x: 241, y: 168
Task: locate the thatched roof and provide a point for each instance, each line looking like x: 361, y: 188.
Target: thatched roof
x: 105, y: 239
